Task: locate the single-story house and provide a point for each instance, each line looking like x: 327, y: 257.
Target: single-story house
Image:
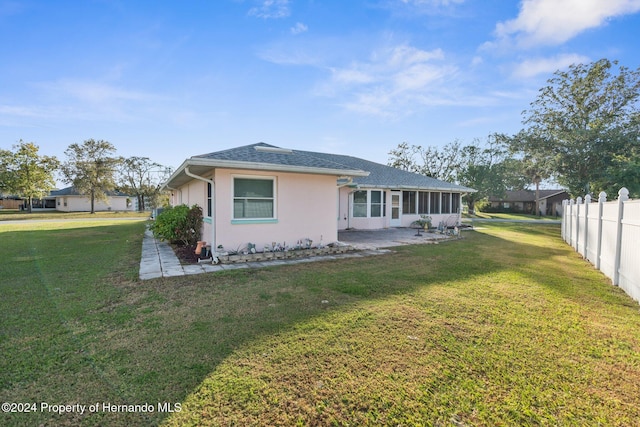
x: 70, y: 200
x: 524, y: 201
x: 264, y: 194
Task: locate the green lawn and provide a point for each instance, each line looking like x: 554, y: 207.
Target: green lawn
x: 13, y: 215
x: 507, y: 326
x: 510, y: 216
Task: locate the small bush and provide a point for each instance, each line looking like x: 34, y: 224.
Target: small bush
x: 179, y: 224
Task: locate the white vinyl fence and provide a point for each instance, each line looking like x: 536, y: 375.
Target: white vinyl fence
x: 608, y: 235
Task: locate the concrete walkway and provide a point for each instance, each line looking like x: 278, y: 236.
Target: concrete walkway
x: 159, y: 260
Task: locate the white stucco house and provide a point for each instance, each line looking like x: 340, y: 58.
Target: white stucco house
x: 261, y: 193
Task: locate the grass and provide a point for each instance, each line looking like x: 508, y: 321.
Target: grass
x: 14, y: 215
x: 507, y: 326
x: 509, y: 216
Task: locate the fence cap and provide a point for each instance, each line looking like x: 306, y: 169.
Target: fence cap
x: 602, y: 197
x: 623, y: 194
x: 587, y: 198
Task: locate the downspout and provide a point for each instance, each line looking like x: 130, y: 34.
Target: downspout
x: 213, y: 204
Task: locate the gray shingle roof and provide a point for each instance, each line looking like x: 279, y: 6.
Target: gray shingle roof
x: 269, y: 154
x: 382, y: 176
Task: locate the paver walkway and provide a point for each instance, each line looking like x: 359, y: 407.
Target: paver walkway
x: 159, y: 260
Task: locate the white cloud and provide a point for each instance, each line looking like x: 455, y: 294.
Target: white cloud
x: 271, y: 9
x: 93, y: 92
x: 552, y: 22
x: 533, y: 67
x: 299, y: 28
x: 392, y: 82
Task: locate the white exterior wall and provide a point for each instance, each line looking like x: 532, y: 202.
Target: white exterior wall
x: 83, y: 204
x: 305, y: 207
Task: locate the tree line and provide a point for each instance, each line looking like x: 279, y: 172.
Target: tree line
x: 92, y: 168
x: 582, y: 131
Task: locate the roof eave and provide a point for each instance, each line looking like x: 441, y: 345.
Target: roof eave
x: 416, y: 187
x: 234, y: 164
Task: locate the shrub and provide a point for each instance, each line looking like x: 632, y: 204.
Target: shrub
x: 179, y: 224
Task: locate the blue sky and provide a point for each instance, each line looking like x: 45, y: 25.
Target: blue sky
x: 172, y: 79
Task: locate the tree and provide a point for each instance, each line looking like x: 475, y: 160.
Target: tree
x: 27, y: 174
x: 143, y: 178
x: 585, y: 125
x: 403, y: 157
x: 440, y: 163
x: 483, y: 167
x: 91, y: 168
x: 533, y: 162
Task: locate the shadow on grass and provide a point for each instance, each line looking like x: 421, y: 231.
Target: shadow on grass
x: 109, y: 338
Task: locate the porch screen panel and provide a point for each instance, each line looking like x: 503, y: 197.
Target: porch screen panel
x: 455, y: 202
x: 446, y: 203
x: 253, y: 198
x: 423, y: 202
x: 435, y: 202
x: 409, y: 202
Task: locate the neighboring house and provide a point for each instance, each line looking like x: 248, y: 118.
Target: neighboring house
x: 264, y: 194
x: 10, y: 202
x: 70, y: 200
x: 525, y: 201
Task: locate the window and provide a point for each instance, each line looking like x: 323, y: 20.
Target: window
x: 253, y: 198
x: 408, y: 202
x: 423, y: 202
x: 376, y: 203
x: 209, y: 204
x: 360, y: 204
x: 435, y: 203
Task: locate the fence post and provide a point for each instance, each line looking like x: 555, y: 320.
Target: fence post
x: 578, y: 202
x: 623, y: 196
x: 570, y: 232
x: 563, y: 226
x: 585, y: 239
x: 602, y: 198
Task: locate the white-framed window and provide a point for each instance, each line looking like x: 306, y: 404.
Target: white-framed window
x: 376, y: 203
x: 254, y: 198
x: 360, y: 204
x: 369, y: 204
x: 209, y: 199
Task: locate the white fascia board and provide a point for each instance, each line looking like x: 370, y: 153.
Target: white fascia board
x: 233, y: 164
x: 416, y: 188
